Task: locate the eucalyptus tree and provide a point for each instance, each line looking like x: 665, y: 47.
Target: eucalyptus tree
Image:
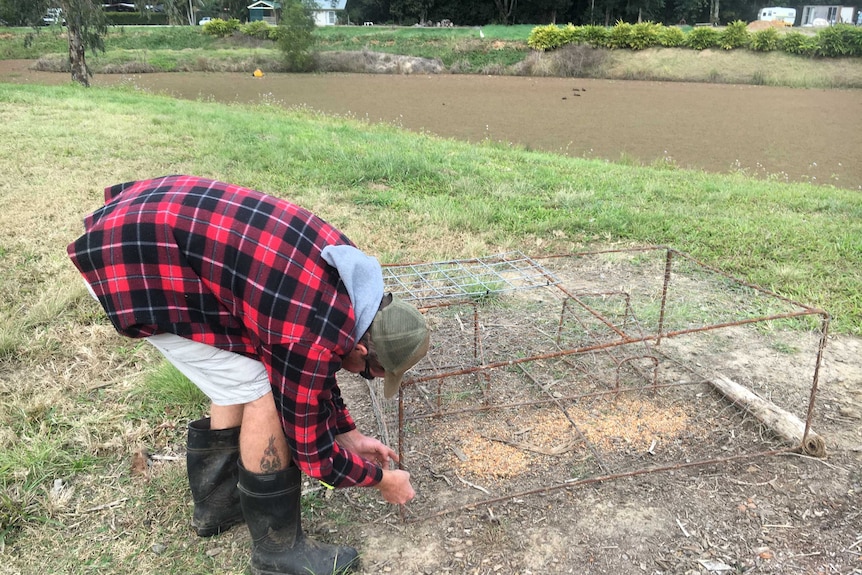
x: 410, y: 11
x: 295, y: 36
x: 178, y: 11
x: 86, y: 27
x: 234, y: 8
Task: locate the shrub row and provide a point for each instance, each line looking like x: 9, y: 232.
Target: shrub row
x: 258, y: 29
x: 834, y: 42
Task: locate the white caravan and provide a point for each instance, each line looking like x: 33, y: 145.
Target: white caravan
x: 786, y: 15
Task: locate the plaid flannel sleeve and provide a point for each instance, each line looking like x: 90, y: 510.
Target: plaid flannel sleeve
x: 313, y: 413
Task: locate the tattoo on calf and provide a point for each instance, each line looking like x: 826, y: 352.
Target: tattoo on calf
x: 270, y: 462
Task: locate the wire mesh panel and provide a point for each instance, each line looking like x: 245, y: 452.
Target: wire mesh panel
x: 589, y: 366
x: 474, y: 278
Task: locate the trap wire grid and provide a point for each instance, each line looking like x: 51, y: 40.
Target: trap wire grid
x: 581, y: 346
x: 466, y: 278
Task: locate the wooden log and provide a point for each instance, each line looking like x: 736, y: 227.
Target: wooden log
x: 781, y: 422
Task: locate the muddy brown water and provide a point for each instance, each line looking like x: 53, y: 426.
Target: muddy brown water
x: 810, y: 135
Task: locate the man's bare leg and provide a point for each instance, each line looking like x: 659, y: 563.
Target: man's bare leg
x: 262, y: 446
x: 225, y: 416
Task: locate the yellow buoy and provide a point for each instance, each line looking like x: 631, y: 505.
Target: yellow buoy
x: 257, y: 73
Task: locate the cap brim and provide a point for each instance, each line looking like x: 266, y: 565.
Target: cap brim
x: 392, y: 379
x: 391, y: 384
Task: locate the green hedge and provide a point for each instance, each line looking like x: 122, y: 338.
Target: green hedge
x: 221, y: 28
x: 703, y: 38
x: 766, y: 40
x: 735, y: 35
x: 259, y: 29
x: 799, y: 44
x: 839, y: 41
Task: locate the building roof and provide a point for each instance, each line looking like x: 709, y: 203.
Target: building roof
x: 265, y: 4
x: 316, y: 5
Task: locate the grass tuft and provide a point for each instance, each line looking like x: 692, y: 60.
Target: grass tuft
x: 167, y: 393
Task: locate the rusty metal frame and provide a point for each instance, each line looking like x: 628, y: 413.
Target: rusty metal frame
x: 650, y: 341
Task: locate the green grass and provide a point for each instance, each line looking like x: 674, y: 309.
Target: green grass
x: 501, y: 46
x: 399, y: 195
x: 803, y: 241
x: 333, y: 34
x: 165, y: 392
x: 735, y: 67
x: 29, y: 43
x: 484, y: 290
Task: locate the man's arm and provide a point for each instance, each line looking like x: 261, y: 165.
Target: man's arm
x: 312, y: 415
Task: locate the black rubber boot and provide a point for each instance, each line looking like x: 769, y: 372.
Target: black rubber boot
x: 211, y: 463
x: 271, y: 507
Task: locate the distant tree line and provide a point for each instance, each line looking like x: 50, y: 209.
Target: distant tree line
x: 578, y: 12
x: 459, y: 12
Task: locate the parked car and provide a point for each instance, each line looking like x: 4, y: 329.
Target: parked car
x: 204, y: 20
x: 54, y: 16
x: 50, y: 21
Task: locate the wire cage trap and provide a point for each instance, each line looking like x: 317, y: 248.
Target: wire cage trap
x: 549, y: 373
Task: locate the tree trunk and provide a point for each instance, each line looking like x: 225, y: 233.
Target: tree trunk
x: 505, y: 9
x: 77, y: 63
x: 713, y: 17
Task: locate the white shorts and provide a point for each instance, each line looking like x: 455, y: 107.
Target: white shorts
x: 226, y: 378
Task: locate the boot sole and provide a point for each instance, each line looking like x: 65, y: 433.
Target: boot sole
x: 345, y: 571
x: 211, y: 531
x: 351, y: 567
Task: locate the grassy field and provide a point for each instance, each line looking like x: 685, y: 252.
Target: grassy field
x: 401, y: 196
x: 435, y: 198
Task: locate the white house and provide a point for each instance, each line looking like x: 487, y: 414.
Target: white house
x: 326, y: 11
x: 265, y: 11
x: 827, y: 15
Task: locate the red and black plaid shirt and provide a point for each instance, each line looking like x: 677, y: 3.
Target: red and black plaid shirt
x: 242, y: 271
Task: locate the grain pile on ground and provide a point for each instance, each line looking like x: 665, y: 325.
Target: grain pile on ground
x: 488, y: 459
x: 631, y: 423
x: 506, y: 449
x: 500, y: 449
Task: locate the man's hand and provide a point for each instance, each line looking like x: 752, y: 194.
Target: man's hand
x: 395, y: 486
x: 367, y: 448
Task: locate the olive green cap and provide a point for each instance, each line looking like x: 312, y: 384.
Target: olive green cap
x: 401, y: 338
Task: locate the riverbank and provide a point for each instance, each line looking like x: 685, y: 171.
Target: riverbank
x: 675, y: 125
x: 501, y: 51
